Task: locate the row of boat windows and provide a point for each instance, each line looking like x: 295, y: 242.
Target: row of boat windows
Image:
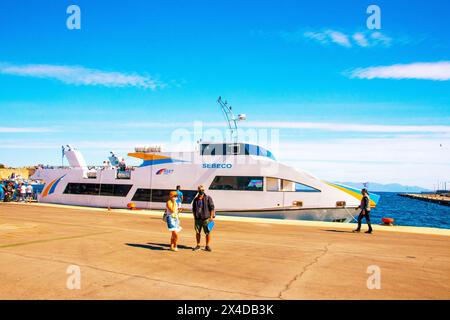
x: 236, y: 183
x: 257, y: 184
x: 97, y: 189
x: 161, y: 195
x: 122, y: 190
x: 215, y: 149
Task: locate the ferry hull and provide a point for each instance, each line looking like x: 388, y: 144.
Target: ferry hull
x: 322, y: 214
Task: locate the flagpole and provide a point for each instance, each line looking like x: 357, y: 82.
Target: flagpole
x: 62, y: 156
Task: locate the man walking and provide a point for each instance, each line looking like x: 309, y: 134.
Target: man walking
x: 203, y: 210
x: 365, y: 211
x: 180, y: 197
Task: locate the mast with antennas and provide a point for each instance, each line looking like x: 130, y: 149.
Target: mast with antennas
x: 231, y: 119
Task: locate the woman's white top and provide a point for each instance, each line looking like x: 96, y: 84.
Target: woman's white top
x: 175, y: 211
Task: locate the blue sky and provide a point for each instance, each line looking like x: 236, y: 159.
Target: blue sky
x: 349, y: 103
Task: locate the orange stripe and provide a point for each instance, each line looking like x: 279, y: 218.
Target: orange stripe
x: 47, y: 188
x: 146, y: 156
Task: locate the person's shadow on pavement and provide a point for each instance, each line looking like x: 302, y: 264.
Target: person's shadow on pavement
x: 338, y: 231
x: 156, y: 246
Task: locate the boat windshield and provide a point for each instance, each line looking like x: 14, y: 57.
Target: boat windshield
x: 214, y: 149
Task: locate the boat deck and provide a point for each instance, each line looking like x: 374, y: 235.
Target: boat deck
x: 123, y: 255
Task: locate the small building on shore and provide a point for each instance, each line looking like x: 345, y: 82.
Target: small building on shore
x: 24, y: 172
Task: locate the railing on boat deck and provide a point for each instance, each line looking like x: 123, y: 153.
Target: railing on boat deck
x: 130, y: 168
x: 91, y: 174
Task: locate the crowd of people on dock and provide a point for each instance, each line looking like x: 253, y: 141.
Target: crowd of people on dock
x: 17, y: 189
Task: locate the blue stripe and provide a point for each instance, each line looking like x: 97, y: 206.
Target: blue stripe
x: 52, y: 189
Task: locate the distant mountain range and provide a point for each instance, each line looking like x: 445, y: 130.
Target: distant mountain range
x: 390, y: 187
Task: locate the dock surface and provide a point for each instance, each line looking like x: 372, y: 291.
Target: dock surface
x: 434, y: 198
x: 123, y: 255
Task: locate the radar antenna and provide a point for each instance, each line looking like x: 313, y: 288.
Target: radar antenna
x: 231, y: 119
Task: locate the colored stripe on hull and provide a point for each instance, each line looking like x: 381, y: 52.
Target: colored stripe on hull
x: 374, y: 198
x: 160, y: 161
x: 51, y: 186
x: 153, y: 159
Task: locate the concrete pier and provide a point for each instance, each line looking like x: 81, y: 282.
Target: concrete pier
x: 434, y: 198
x: 124, y: 255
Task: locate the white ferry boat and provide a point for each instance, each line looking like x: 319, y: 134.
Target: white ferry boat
x: 242, y: 178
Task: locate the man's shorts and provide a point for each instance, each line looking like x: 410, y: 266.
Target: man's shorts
x: 201, y: 224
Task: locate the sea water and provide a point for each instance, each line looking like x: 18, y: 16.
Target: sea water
x: 405, y: 211
x: 410, y: 212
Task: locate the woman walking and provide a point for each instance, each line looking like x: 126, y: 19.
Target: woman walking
x: 172, y: 218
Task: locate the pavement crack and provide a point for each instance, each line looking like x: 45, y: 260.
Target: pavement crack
x: 299, y: 275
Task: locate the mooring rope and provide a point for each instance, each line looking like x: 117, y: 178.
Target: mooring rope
x: 353, y: 217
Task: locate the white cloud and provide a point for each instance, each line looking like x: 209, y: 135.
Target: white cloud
x: 317, y: 36
x: 402, y: 160
x: 322, y: 126
x: 339, y: 38
x: 371, y: 150
x: 439, y: 71
x: 79, y: 75
x: 381, y: 38
x: 360, y: 39
x: 348, y: 40
x: 25, y: 130
x: 350, y: 127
